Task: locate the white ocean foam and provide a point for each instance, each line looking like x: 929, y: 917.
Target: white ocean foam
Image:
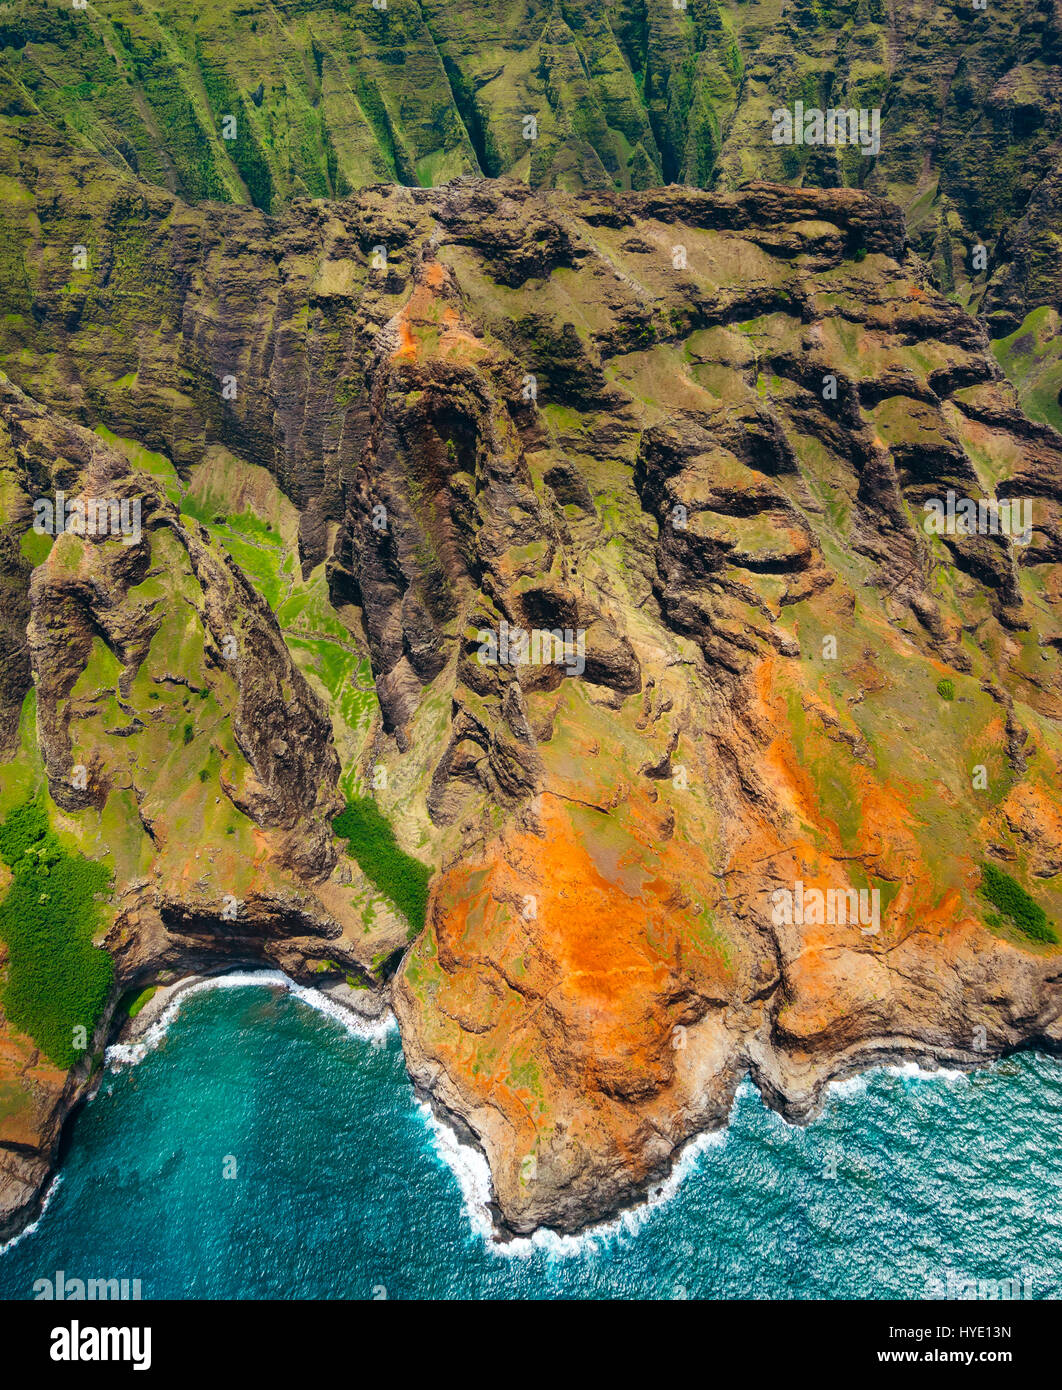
x: 931, y: 1074
x: 53, y: 1187
x: 851, y: 1085
x: 845, y: 1088
x: 369, y: 1030
x: 857, y: 1085
x: 470, y: 1168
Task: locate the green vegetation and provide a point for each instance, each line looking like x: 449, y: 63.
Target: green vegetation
x: 1011, y: 899
x: 133, y: 1003
x: 34, y: 547
x: 57, y: 980
x: 1031, y: 356
x: 372, y: 843
x: 946, y: 689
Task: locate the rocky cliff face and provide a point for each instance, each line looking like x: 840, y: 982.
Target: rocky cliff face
x: 262, y: 104
x: 688, y: 440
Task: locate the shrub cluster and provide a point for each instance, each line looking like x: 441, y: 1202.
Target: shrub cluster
x: 57, y: 980
x: 1011, y: 899
x: 372, y: 843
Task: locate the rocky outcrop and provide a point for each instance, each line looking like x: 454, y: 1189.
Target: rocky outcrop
x: 1029, y: 258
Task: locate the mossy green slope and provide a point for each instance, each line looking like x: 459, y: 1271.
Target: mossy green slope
x: 268, y: 102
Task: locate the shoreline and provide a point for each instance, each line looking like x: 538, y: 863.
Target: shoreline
x: 362, y: 1013
x: 365, y: 1013
x: 457, y: 1146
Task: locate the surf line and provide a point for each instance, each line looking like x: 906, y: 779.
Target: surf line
x: 129, y: 1054
x: 52, y: 1189
x: 472, y: 1173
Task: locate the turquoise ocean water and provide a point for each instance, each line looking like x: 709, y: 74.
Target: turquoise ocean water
x: 342, y: 1187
